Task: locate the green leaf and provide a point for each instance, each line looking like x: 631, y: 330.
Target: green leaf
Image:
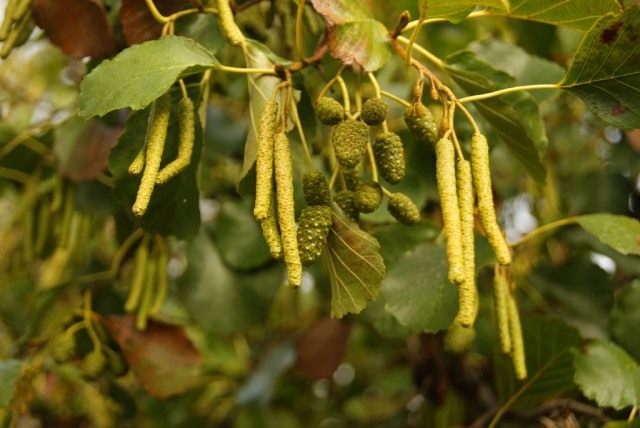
x: 514, y: 117
x: 354, y: 36
x: 457, y: 10
x: 578, y: 14
x: 219, y: 301
x: 261, y: 89
x: 417, y: 292
x: 547, y: 344
x: 10, y: 371
x: 605, y: 72
x: 525, y: 68
x: 174, y: 207
x: 355, y: 266
x: 140, y: 74
x: 238, y: 236
x: 607, y: 374
x: 619, y: 232
x: 625, y: 319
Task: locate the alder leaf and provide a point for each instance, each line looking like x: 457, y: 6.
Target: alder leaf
x: 162, y: 357
x: 625, y: 318
x: 548, y: 343
x: 140, y: 74
x: 417, y: 292
x: 619, y: 232
x: 607, y: 374
x: 79, y: 27
x: 354, y: 36
x: 514, y: 117
x: 605, y: 72
x: 355, y: 266
x: 577, y: 14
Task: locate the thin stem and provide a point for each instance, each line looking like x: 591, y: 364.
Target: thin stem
x: 412, y: 40
x: 396, y: 98
x: 86, y: 312
x: 484, y: 96
x: 477, y: 14
x: 543, y: 229
x: 299, y: 18
x: 470, y: 118
x: 345, y: 94
x: 156, y: 13
x: 243, y: 70
x: 13, y: 174
x: 632, y: 415
x: 372, y: 161
x: 431, y: 57
x: 183, y: 88
x: 334, y: 176
x: 330, y: 83
x: 296, y: 120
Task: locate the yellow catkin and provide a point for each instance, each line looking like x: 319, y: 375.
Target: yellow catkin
x: 482, y: 184
x: 228, y: 24
x: 270, y: 232
x: 22, y: 7
x: 187, y: 125
x: 501, y: 308
x: 156, y: 136
x: 446, y: 177
x: 137, y: 165
x: 286, y: 212
x: 264, y: 159
x: 458, y: 338
x: 9, y: 10
x: 517, y: 342
x: 162, y: 276
x: 467, y: 293
x: 144, y: 308
x: 138, y: 279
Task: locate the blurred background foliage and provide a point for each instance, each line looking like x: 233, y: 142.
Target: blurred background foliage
x: 232, y: 346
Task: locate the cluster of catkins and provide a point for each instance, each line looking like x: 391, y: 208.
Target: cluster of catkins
x: 463, y: 185
x: 349, y: 139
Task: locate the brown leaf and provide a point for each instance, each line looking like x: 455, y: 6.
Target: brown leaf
x: 162, y: 357
x: 90, y: 152
x: 78, y: 27
x: 321, y: 348
x: 138, y: 25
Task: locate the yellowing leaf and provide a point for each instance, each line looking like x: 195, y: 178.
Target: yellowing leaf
x: 355, y: 37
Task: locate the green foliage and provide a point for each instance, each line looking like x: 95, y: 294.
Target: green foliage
x: 604, y: 70
x: 371, y: 336
x: 141, y: 74
x: 355, y: 266
x: 617, y: 386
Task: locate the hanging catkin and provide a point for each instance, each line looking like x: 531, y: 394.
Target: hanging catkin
x: 186, y: 139
x: 482, y: 184
x: 156, y: 136
x: 468, y: 294
x: 446, y: 178
x: 286, y: 212
x: 264, y: 159
x: 501, y: 308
